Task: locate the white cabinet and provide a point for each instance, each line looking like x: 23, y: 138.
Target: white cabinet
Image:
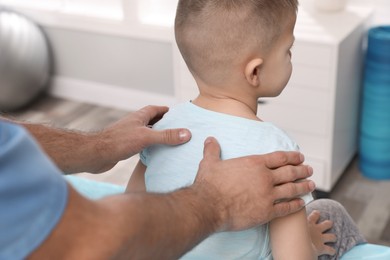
x: 320, y: 106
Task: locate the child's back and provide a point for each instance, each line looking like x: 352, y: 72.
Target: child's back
x: 237, y: 51
x: 170, y: 168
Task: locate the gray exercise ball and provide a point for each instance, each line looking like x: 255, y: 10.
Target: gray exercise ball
x: 24, y: 60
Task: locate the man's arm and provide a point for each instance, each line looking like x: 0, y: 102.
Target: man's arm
x: 157, y: 226
x: 70, y: 150
x: 131, y: 226
x: 97, y: 152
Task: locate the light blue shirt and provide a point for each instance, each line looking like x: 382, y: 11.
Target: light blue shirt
x: 33, y: 194
x: 170, y: 168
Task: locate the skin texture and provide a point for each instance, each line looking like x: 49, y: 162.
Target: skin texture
x: 290, y: 237
x: 100, y: 151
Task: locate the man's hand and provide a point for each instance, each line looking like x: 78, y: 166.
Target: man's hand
x: 133, y: 133
x: 75, y: 151
x: 252, y: 190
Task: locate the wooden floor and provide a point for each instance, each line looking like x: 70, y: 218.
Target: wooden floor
x: 367, y: 201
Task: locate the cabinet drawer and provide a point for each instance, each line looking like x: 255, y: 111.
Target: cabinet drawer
x: 319, y: 171
x: 311, y: 77
x: 316, y: 55
x: 311, y: 145
x: 301, y: 119
x: 294, y: 96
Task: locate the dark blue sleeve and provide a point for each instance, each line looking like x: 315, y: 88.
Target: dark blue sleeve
x: 33, y: 193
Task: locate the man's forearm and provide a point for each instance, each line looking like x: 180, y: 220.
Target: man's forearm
x: 168, y: 226
x: 98, y: 152
x: 132, y: 226
x: 71, y: 151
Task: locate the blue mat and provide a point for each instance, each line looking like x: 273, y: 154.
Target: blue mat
x: 368, y: 252
x: 93, y: 189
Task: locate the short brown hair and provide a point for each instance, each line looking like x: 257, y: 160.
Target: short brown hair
x: 212, y: 34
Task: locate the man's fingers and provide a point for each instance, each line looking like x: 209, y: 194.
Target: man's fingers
x: 278, y: 159
x: 291, y: 173
x: 282, y: 209
x: 293, y: 189
x: 212, y: 149
x: 151, y: 114
x: 170, y: 136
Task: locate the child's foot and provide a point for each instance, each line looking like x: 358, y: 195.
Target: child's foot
x: 318, y: 236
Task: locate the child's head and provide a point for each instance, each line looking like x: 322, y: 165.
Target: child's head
x: 235, y: 41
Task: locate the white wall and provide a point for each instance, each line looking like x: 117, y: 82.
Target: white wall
x: 111, y: 70
x: 125, y: 62
x: 382, y: 10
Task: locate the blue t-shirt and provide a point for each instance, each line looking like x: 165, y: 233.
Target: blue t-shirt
x: 33, y: 193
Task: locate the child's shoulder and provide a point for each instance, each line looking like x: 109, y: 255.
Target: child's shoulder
x: 285, y: 139
x: 175, y: 117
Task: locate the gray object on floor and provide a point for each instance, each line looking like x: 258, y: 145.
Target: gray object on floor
x: 24, y: 60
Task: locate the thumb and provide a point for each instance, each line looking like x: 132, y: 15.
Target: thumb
x: 212, y: 150
x: 171, y: 136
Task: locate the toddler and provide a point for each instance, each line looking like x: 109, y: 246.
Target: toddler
x: 237, y: 51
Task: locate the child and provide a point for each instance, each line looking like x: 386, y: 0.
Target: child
x: 237, y: 51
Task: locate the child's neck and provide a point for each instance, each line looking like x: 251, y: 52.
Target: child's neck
x: 228, y: 105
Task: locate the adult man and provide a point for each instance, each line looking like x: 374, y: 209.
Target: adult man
x: 59, y: 223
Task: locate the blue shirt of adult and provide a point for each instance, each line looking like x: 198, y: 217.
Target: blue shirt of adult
x: 33, y: 193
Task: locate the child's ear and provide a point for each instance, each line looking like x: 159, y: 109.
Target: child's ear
x: 252, y: 71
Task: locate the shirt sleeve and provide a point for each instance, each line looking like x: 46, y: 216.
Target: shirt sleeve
x: 307, y: 198
x: 144, y: 156
x: 33, y: 193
